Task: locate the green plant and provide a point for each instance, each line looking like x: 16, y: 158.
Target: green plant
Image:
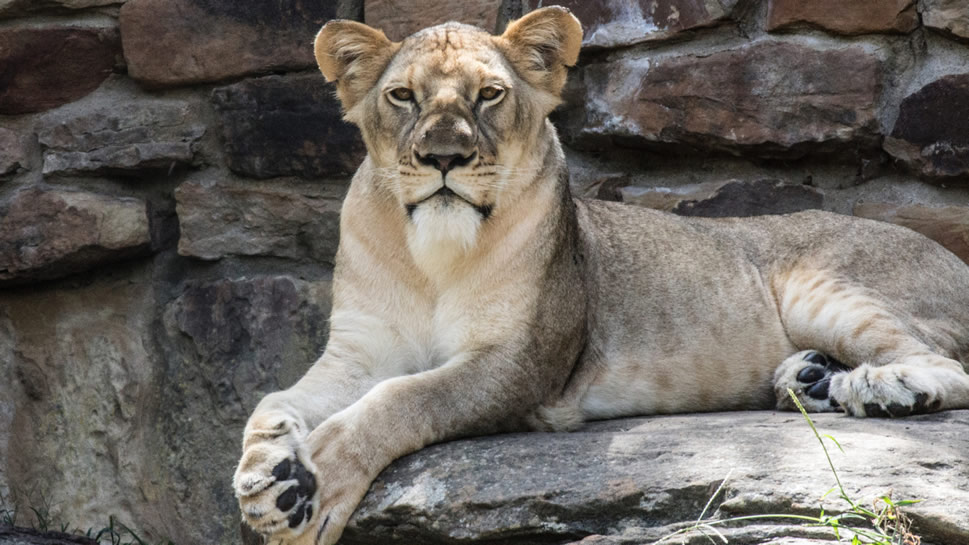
x: 883, y: 524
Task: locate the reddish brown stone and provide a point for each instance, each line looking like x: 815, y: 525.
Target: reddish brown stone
x: 845, y: 16
x: 950, y: 17
x: 41, y: 68
x: 948, y: 225
x: 401, y: 19
x: 178, y: 42
x: 17, y: 8
x: 52, y: 233
x: 931, y: 134
x: 617, y: 23
x: 767, y: 98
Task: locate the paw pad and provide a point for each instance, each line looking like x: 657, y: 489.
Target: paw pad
x: 295, y: 500
x: 816, y: 377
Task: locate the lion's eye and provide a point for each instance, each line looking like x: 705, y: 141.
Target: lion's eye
x: 402, y: 94
x: 490, y: 92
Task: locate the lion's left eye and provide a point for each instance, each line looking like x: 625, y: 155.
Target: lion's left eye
x: 490, y: 92
x: 402, y: 94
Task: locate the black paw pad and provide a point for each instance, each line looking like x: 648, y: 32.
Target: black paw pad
x: 817, y: 377
x: 295, y: 499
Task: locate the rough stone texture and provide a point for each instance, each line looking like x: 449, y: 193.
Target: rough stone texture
x: 17, y: 8
x: 13, y: 154
x: 930, y: 134
x: 52, y: 233
x: 950, y: 17
x: 763, y: 99
x: 41, y: 68
x: 644, y: 476
x: 254, y: 36
x: 401, y: 19
x: 281, y: 126
x: 125, y: 139
x: 164, y: 387
x: 296, y: 221
x: 845, y: 16
x: 619, y: 23
x: 730, y: 198
x: 949, y: 226
x: 228, y: 343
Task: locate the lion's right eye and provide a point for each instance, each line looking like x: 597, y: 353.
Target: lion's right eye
x: 402, y: 94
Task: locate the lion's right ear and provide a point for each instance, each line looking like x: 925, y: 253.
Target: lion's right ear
x: 542, y: 44
x: 353, y: 55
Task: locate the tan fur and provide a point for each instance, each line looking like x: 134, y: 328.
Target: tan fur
x: 472, y: 294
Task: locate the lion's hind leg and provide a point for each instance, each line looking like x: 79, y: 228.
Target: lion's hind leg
x: 894, y: 369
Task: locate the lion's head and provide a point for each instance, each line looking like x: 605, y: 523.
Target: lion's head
x: 454, y: 118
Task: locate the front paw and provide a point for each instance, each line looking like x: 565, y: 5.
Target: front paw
x: 276, y: 488
x: 889, y: 391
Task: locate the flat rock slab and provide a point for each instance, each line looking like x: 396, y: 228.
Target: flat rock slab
x: 930, y: 135
x: 253, y: 36
x: 120, y: 139
x: 950, y: 17
x: 13, y: 152
x: 641, y: 478
x: 282, y: 126
x: 769, y: 99
x: 841, y: 17
x: 18, y: 8
x: 290, y: 220
x: 53, y: 233
x: 46, y: 67
x: 621, y: 23
x: 401, y: 19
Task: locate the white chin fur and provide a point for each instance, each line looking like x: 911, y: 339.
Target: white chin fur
x: 442, y: 233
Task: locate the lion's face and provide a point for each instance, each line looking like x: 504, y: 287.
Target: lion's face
x: 452, y: 117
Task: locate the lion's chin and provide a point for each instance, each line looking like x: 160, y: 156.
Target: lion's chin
x: 442, y: 231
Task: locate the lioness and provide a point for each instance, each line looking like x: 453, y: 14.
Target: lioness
x: 473, y: 294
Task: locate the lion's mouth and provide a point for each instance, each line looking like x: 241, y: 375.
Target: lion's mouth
x: 448, y: 195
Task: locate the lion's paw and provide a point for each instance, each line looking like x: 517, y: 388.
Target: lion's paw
x: 888, y: 391
x: 276, y: 491
x: 809, y: 374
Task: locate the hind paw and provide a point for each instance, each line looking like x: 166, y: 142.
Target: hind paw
x: 889, y: 391
x: 809, y: 374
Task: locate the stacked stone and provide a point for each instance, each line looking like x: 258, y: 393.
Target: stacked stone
x: 171, y: 173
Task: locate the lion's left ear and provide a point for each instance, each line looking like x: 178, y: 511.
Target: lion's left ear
x: 542, y: 44
x: 353, y: 55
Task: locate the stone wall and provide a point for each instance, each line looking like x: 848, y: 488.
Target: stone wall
x: 171, y: 174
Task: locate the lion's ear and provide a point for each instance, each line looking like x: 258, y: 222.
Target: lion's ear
x: 353, y: 55
x: 542, y: 44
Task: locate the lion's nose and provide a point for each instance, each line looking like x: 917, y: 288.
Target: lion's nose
x: 444, y: 163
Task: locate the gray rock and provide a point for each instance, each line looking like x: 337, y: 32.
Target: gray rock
x: 13, y: 154
x: 52, y: 233
x: 732, y: 198
x: 288, y: 219
x: 930, y: 134
x: 10, y: 535
x: 120, y: 139
x: 286, y: 126
x: 621, y: 23
x: 765, y: 99
x: 950, y: 17
x: 637, y: 480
